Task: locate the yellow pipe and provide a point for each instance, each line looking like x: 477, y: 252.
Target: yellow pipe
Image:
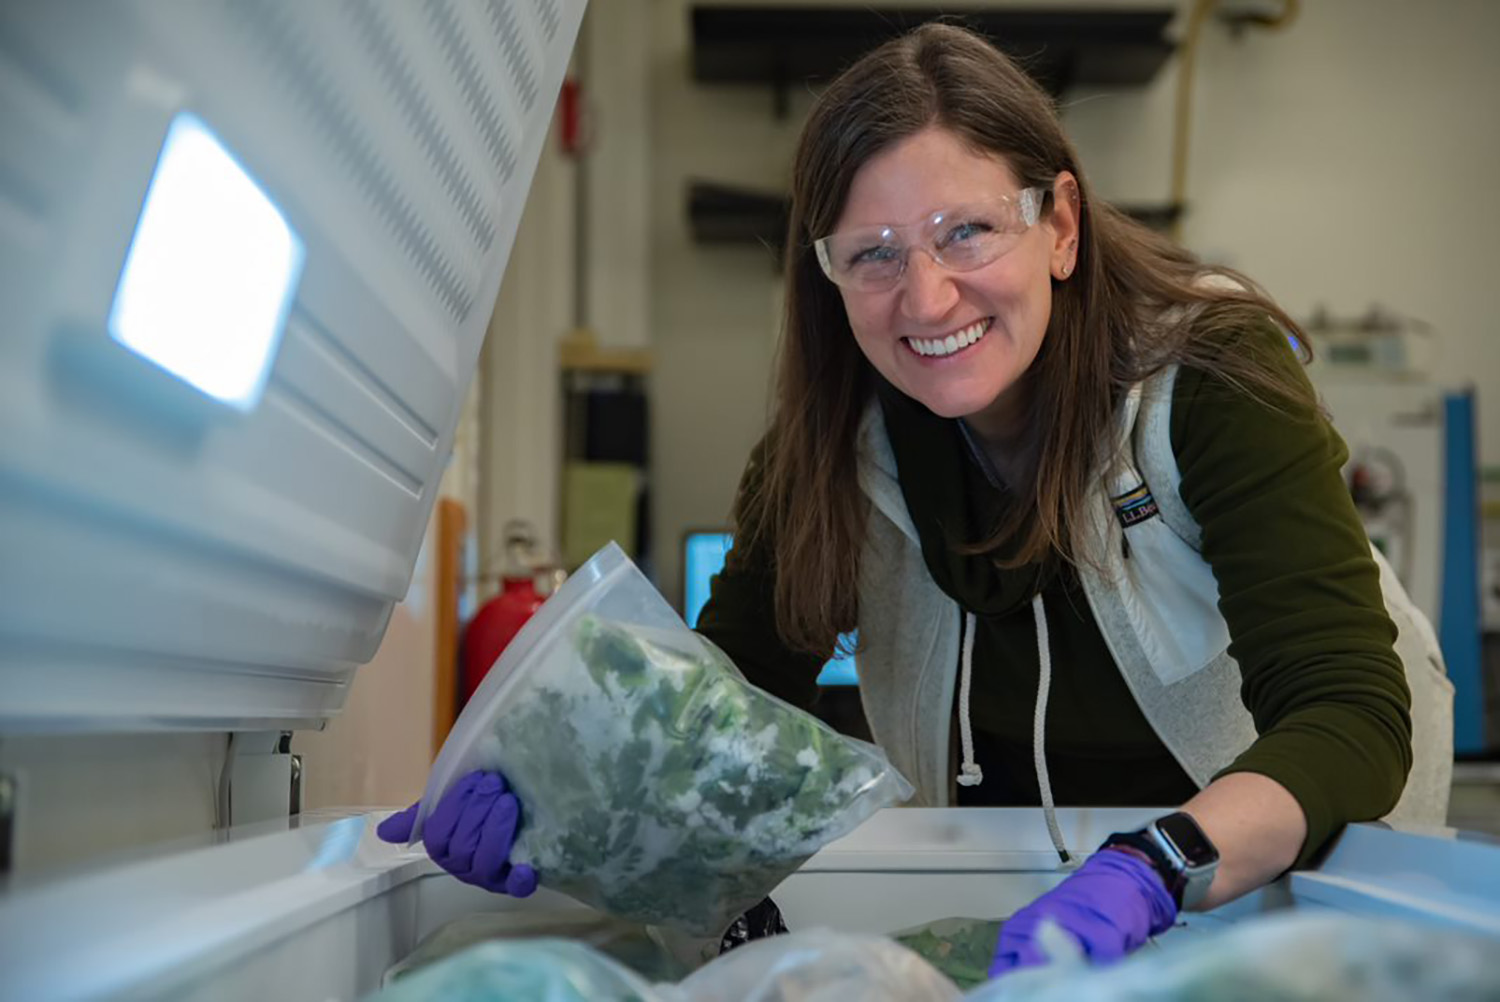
x: 1187, y: 61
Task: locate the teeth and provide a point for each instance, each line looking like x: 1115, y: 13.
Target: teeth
x: 937, y: 347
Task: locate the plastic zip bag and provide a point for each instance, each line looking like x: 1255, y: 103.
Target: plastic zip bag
x: 638, y: 947
x: 656, y: 784
x: 1293, y: 957
x: 962, y: 948
x: 536, y: 970
x: 815, y: 966
x: 819, y: 965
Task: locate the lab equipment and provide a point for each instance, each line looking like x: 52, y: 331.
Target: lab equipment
x: 1413, y: 474
x: 658, y: 785
x: 498, y: 621
x: 471, y: 833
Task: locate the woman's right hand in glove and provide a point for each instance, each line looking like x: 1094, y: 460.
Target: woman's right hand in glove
x: 470, y: 834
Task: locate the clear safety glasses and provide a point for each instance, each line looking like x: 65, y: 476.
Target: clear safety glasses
x: 962, y: 238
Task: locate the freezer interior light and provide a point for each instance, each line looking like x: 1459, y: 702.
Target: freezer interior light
x: 211, y: 271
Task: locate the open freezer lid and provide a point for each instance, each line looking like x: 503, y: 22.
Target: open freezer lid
x: 251, y: 251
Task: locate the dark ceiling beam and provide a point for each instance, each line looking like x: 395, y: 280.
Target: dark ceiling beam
x: 783, y: 47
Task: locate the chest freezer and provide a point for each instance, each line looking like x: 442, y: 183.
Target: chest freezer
x: 318, y: 909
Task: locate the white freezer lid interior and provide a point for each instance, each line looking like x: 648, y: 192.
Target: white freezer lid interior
x: 171, y: 561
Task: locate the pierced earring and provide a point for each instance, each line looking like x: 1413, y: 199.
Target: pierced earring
x: 1065, y: 269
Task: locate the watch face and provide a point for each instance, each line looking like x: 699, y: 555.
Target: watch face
x: 1188, y: 839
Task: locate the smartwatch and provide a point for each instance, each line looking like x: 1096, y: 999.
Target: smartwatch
x: 1179, y: 850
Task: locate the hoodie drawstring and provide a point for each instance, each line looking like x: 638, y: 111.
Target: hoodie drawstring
x: 969, y: 773
x: 1039, y: 729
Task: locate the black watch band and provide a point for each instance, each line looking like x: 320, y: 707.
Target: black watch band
x: 1173, y: 878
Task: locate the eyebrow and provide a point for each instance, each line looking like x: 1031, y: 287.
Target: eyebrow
x: 924, y: 217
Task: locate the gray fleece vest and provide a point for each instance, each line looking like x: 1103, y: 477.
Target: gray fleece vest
x: 1158, y: 613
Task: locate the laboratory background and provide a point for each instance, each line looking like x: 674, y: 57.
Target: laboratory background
x: 530, y: 282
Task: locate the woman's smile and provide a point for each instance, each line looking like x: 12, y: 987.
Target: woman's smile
x: 951, y: 345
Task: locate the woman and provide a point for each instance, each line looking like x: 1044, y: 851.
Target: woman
x: 1071, y: 487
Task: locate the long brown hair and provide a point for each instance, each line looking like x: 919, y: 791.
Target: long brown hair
x: 1134, y: 303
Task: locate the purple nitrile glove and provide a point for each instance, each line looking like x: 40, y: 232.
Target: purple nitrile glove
x: 470, y: 834
x: 1111, y: 905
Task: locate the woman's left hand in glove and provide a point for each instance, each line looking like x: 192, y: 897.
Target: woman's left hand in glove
x: 1111, y: 905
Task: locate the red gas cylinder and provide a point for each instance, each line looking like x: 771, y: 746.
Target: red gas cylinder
x: 501, y: 618
x: 494, y: 626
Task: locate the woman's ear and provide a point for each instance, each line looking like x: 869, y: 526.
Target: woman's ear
x: 1064, y: 222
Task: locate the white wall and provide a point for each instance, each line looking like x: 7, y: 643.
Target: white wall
x: 615, y: 48
x: 520, y: 419
x: 1346, y: 161
x: 1343, y: 162
x: 713, y: 309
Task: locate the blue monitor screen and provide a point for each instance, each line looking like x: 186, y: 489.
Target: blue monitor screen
x: 702, y: 557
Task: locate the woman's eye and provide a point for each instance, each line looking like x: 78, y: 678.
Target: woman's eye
x: 873, y: 255
x: 964, y: 231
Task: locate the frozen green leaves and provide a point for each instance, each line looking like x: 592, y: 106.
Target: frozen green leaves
x: 961, y: 948
x: 552, y: 969
x: 660, y: 786
x: 812, y: 966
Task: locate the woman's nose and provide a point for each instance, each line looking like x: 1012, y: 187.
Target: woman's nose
x: 928, y: 291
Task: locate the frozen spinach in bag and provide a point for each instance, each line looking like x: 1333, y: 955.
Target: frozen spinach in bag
x: 553, y: 970
x: 959, y: 947
x: 660, y: 786
x: 818, y: 965
x: 1317, y: 956
x: 640, y: 948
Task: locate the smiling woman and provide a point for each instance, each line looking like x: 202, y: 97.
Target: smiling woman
x: 1021, y: 446
x: 1025, y: 447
